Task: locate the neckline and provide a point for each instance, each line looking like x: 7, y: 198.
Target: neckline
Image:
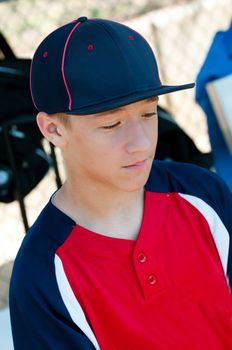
x: 83, y: 230
x: 96, y: 244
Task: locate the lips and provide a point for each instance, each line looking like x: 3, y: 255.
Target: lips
x: 138, y: 164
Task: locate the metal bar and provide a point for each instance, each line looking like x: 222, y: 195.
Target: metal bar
x: 18, y: 192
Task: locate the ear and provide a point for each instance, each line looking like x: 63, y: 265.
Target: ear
x: 51, y: 129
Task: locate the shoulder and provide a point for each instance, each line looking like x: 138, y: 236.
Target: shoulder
x: 48, y: 232
x: 191, y: 180
x: 34, y: 262
x: 174, y: 176
x: 207, y: 192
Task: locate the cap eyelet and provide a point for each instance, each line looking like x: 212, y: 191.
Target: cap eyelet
x: 131, y: 37
x: 90, y: 47
x: 45, y: 54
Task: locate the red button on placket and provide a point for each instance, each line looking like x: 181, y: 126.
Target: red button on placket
x: 151, y: 279
x: 142, y: 258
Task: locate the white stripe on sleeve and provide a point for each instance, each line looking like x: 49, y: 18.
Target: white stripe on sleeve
x: 219, y: 232
x: 72, y: 304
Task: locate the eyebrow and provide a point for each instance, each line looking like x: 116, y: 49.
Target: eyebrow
x: 115, y: 110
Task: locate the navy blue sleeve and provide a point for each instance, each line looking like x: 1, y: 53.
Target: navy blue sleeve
x: 39, y: 318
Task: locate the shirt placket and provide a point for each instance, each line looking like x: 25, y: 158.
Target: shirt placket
x: 146, y: 265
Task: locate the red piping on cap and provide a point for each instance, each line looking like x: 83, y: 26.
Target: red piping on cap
x: 32, y: 97
x: 62, y: 67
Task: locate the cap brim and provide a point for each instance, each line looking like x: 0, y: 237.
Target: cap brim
x: 103, y: 106
x: 165, y: 89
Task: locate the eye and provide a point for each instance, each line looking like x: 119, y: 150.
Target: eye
x: 107, y: 127
x: 149, y: 115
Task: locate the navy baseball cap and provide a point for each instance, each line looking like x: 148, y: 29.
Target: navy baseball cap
x: 94, y: 65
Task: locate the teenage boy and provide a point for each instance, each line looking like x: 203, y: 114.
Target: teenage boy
x: 129, y: 253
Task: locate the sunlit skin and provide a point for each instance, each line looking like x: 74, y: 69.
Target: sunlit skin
x: 108, y: 157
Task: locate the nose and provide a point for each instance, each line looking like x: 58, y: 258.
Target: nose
x: 138, y: 139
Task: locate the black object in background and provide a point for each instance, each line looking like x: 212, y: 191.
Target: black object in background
x: 18, y: 129
x: 174, y: 144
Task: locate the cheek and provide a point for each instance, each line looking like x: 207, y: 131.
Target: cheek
x: 152, y: 131
x: 95, y: 148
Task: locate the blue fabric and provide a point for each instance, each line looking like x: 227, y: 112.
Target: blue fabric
x: 217, y: 64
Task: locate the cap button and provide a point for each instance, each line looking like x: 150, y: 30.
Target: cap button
x: 82, y: 19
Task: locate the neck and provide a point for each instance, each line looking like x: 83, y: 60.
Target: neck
x: 113, y: 213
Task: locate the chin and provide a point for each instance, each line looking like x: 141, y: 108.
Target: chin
x: 135, y: 184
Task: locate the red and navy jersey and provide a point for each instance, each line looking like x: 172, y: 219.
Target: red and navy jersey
x: 72, y: 288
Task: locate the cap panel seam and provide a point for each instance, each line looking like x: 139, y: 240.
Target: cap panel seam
x: 63, y: 62
x: 32, y: 95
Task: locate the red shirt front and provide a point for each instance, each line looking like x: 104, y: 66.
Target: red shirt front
x: 166, y: 290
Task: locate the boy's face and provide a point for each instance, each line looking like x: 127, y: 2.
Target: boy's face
x: 113, y: 149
